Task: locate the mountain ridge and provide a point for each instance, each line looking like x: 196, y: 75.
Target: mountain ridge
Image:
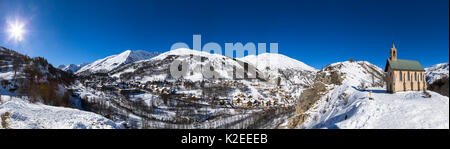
x: 112, y: 62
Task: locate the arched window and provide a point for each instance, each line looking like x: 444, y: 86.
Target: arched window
x: 415, y: 76
x: 409, y: 78
x: 401, y: 76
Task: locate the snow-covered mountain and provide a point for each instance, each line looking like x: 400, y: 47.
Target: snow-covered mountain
x: 290, y: 71
x: 276, y: 61
x: 112, y: 62
x: 353, y: 95
x: 157, y: 68
x: 72, y: 68
x: 217, y: 97
x: 360, y: 74
x: 352, y: 73
x: 436, y: 72
x: 18, y: 113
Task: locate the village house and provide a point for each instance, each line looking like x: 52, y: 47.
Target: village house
x: 404, y: 75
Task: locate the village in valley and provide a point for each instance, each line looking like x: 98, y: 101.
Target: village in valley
x: 179, y: 90
x: 144, y: 95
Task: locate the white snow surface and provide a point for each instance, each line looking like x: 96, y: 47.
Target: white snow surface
x: 355, y: 73
x: 347, y: 107
x: 436, y: 72
x: 9, y: 75
x: 26, y: 115
x: 111, y: 62
x: 275, y: 61
x: 274, y: 66
x: 72, y: 68
x: 403, y: 110
x: 223, y: 66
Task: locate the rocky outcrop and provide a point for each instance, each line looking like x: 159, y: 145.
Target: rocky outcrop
x: 297, y: 120
x: 310, y: 96
x: 440, y: 86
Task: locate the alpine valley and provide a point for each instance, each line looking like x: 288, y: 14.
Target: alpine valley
x: 135, y: 90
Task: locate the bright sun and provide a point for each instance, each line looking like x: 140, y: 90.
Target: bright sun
x: 16, y: 30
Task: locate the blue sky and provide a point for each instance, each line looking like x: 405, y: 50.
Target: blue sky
x: 315, y: 32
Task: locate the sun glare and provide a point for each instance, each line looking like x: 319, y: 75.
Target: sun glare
x: 16, y: 30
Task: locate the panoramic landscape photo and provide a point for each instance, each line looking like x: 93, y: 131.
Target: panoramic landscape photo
x: 224, y: 64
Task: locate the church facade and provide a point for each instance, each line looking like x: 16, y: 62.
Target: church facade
x: 404, y: 75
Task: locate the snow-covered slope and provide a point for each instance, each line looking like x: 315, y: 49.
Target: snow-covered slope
x: 349, y: 108
x: 18, y: 71
x: 436, y: 72
x: 157, y: 68
x: 344, y: 104
x: 275, y: 61
x: 290, y: 71
x: 111, y: 62
x: 352, y: 74
x: 17, y: 113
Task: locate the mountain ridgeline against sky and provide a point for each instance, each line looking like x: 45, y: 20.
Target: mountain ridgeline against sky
x: 114, y: 61
x: 72, y: 68
x: 281, y: 93
x: 324, y: 68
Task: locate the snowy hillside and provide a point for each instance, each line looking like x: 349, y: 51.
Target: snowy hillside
x: 17, y: 113
x: 156, y: 69
x: 111, y: 62
x: 352, y: 74
x: 20, y: 74
x: 276, y: 61
x: 351, y: 108
x: 345, y: 103
x: 436, y: 72
x: 290, y: 71
x: 150, y: 97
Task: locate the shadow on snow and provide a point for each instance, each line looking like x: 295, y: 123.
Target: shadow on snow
x: 331, y: 123
x: 373, y: 90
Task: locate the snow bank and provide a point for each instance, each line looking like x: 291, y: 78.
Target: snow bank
x: 20, y: 114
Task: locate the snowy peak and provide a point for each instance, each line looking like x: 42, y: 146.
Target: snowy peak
x: 352, y: 74
x: 436, y: 72
x: 262, y: 61
x: 281, y: 69
x: 157, y: 67
x: 62, y: 66
x: 72, y: 68
x: 134, y: 56
x: 114, y: 61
